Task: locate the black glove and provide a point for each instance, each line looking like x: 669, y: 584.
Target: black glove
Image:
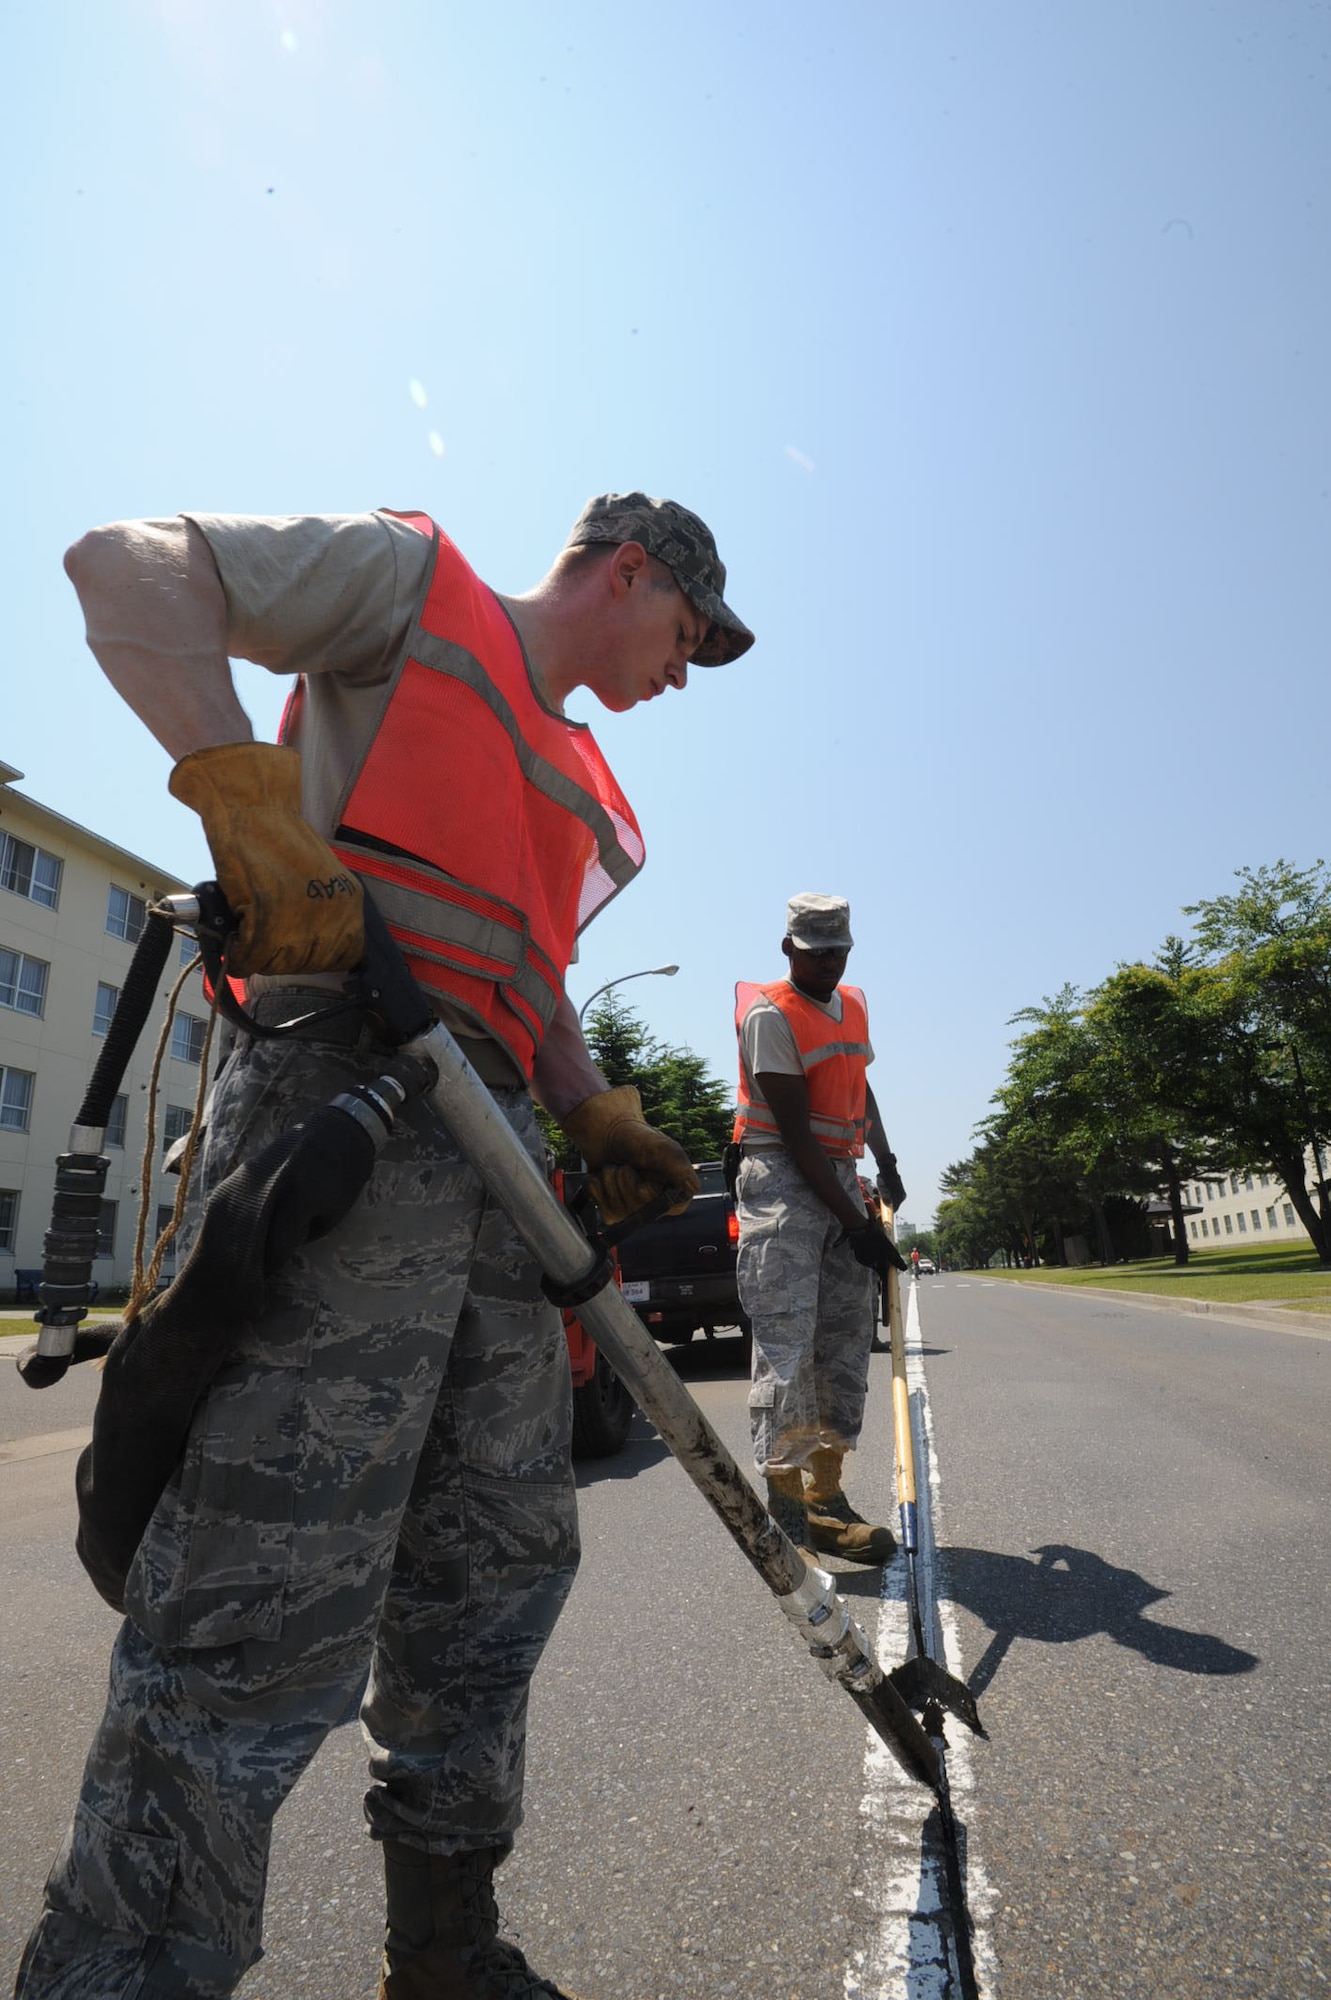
x: 890, y: 1185
x: 871, y: 1246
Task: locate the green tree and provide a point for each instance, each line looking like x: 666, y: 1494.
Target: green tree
x: 679, y: 1094
x: 1060, y: 1147
x: 1155, y: 1032
x: 1269, y: 948
x: 1216, y: 1056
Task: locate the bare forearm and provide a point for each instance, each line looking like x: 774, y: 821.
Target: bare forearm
x: 877, y: 1137
x: 565, y: 1074
x: 157, y: 625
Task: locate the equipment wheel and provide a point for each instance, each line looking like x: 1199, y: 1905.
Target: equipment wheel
x: 602, y: 1414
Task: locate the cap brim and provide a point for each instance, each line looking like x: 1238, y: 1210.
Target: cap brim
x: 727, y: 637
x: 846, y: 943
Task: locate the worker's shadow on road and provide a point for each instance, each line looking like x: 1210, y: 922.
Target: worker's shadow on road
x: 1066, y: 1594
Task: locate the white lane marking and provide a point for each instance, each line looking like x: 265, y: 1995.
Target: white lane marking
x: 906, y: 1957
x: 42, y: 1447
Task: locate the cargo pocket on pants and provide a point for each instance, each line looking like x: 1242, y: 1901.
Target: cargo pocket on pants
x: 212, y: 1568
x: 114, y: 1878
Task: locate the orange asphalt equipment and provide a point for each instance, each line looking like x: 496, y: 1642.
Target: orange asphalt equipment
x: 835, y: 1055
x: 485, y: 876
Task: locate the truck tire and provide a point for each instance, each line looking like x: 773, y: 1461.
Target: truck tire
x: 602, y: 1414
x: 880, y: 1341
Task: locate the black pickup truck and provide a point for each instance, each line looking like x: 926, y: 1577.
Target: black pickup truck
x: 679, y: 1274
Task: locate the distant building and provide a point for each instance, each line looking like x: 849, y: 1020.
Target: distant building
x: 1246, y: 1207
x: 72, y: 907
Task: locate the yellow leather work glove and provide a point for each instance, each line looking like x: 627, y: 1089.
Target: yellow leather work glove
x: 298, y: 906
x: 629, y: 1161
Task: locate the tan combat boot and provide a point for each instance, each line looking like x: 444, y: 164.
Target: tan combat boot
x: 442, y: 1940
x: 785, y: 1504
x: 835, y: 1529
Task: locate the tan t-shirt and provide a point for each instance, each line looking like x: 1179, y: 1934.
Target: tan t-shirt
x: 333, y: 597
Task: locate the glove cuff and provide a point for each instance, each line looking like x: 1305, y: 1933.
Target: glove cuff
x: 228, y: 776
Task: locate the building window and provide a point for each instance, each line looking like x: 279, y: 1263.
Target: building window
x: 1229, y: 1225
x: 189, y: 949
x: 1247, y: 1180
x: 1233, y: 1183
x: 104, y: 1006
x: 8, y: 1218
x: 1210, y: 1194
x: 176, y: 1124
x: 15, y: 1099
x: 1270, y: 1218
x: 23, y: 983
x: 1265, y: 1179
x: 125, y: 915
x: 1193, y: 1227
x: 1243, y: 1223
x: 187, y: 1037
x: 1205, y: 1230
x: 30, y: 871
x: 115, y: 1124
x: 1289, y: 1216
x: 106, y: 1229
x: 165, y: 1211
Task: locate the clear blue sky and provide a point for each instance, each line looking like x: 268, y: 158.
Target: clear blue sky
x: 992, y: 340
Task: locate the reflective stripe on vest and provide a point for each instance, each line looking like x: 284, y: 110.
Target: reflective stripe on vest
x: 490, y: 829
x: 835, y: 1056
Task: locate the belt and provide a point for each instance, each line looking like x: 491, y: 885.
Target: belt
x: 351, y: 1031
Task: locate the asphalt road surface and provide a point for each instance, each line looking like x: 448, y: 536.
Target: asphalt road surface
x: 1132, y: 1512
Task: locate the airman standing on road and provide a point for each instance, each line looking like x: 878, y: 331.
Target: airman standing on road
x: 807, y: 1247
x: 379, y: 1480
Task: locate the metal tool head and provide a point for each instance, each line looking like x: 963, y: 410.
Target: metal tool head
x: 924, y: 1685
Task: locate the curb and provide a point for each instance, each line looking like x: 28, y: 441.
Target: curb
x: 1243, y: 1315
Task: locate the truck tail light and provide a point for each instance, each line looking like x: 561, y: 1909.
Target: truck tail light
x: 732, y: 1227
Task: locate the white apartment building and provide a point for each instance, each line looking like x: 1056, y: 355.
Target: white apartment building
x: 72, y: 907
x: 1246, y: 1207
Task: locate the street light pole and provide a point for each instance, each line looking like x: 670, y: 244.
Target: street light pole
x: 648, y: 972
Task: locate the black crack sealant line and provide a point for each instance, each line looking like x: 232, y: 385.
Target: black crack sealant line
x: 925, y: 1683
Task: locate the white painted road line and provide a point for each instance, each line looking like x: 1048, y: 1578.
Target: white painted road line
x: 906, y: 1957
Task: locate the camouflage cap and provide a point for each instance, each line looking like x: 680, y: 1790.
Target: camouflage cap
x: 819, y: 923
x: 686, y: 546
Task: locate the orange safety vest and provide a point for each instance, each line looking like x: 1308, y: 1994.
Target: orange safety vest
x: 490, y: 829
x: 835, y: 1055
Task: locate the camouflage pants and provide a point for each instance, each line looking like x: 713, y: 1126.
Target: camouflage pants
x: 379, y: 1478
x: 809, y: 1302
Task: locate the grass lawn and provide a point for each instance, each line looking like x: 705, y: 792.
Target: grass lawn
x: 1277, y: 1274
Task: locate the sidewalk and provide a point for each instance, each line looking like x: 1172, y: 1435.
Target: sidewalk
x: 1230, y: 1309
